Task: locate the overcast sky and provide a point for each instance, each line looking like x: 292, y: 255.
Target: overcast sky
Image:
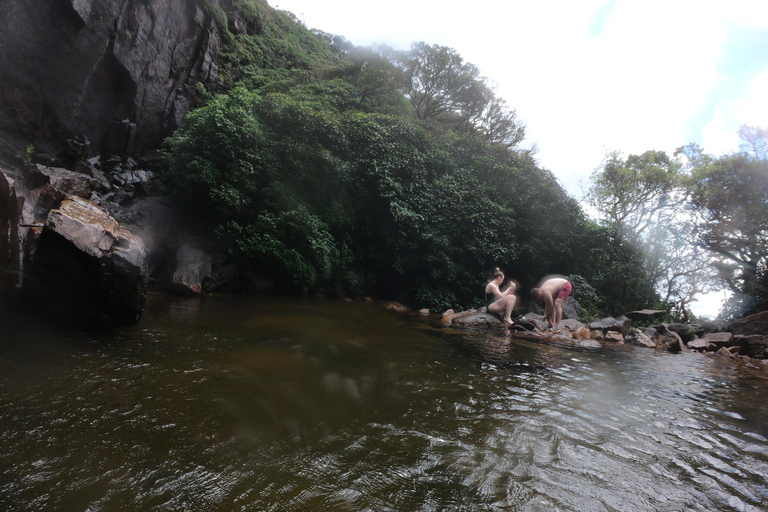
x: 589, y: 76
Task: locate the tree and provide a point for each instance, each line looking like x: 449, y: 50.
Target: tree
x: 729, y: 196
x: 754, y: 141
x: 643, y: 199
x: 445, y: 89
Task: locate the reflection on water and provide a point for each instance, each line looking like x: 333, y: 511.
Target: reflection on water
x: 226, y: 404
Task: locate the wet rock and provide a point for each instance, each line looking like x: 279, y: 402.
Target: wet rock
x: 86, y: 269
x: 597, y: 335
x: 614, y: 337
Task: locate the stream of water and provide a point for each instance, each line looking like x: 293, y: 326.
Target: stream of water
x: 232, y: 404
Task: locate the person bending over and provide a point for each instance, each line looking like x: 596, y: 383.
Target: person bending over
x: 500, y: 301
x: 553, y: 291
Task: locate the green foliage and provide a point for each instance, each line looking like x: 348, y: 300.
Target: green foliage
x: 30, y: 152
x: 586, y: 296
x: 315, y: 164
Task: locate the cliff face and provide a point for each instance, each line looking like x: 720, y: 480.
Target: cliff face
x: 119, y: 72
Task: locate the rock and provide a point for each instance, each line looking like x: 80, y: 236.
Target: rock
x: 724, y: 352
x: 720, y: 339
x: 753, y: 345
x: 476, y: 317
x: 73, y: 67
x: 87, y: 270
x: 191, y: 267
x: 571, y: 309
x: 603, y: 324
x: 221, y: 277
x: 700, y: 344
x: 572, y: 324
x: 424, y: 311
x: 51, y: 185
x: 669, y: 341
x: 533, y: 307
x: 635, y: 336
x: 646, y: 315
x: 597, y: 335
x: 614, y: 337
x: 532, y: 322
x: 623, y: 324
x: 588, y: 344
x: 10, y: 213
x: 752, y: 324
x: 715, y: 326
x: 396, y: 307
x: 581, y: 334
x: 685, y: 331
x: 448, y: 312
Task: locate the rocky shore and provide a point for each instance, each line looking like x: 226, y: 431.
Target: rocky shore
x: 745, y: 340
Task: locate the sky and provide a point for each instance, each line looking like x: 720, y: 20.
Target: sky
x: 589, y: 76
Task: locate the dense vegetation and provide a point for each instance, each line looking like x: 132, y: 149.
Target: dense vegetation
x: 394, y: 174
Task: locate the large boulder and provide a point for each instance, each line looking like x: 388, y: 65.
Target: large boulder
x: 86, y: 270
x: 571, y: 309
x: 752, y: 324
x: 635, y: 336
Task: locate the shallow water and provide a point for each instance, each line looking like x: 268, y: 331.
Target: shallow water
x: 291, y: 405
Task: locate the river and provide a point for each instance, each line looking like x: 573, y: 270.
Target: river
x: 232, y: 404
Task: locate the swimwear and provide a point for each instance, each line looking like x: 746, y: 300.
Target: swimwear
x: 565, y: 291
x: 490, y: 299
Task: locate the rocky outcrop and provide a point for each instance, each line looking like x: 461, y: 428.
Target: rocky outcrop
x: 86, y: 270
x: 619, y: 331
x: 120, y: 73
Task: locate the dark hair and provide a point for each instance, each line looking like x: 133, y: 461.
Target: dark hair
x: 535, y: 293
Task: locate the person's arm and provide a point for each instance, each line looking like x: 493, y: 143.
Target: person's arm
x: 510, y: 289
x: 495, y: 289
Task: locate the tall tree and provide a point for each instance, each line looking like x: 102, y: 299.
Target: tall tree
x: 730, y: 198
x: 643, y: 199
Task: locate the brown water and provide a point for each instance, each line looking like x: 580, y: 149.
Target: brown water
x: 318, y: 405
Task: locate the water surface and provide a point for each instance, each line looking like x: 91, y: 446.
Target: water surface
x: 228, y: 404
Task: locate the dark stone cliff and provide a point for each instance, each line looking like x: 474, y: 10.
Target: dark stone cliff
x: 119, y: 72
x: 92, y: 84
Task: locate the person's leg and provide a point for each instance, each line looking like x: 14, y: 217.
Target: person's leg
x: 504, y: 305
x: 558, y: 312
x: 508, y: 307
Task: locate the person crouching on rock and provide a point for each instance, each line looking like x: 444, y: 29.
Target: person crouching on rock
x: 553, y: 291
x: 500, y: 301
